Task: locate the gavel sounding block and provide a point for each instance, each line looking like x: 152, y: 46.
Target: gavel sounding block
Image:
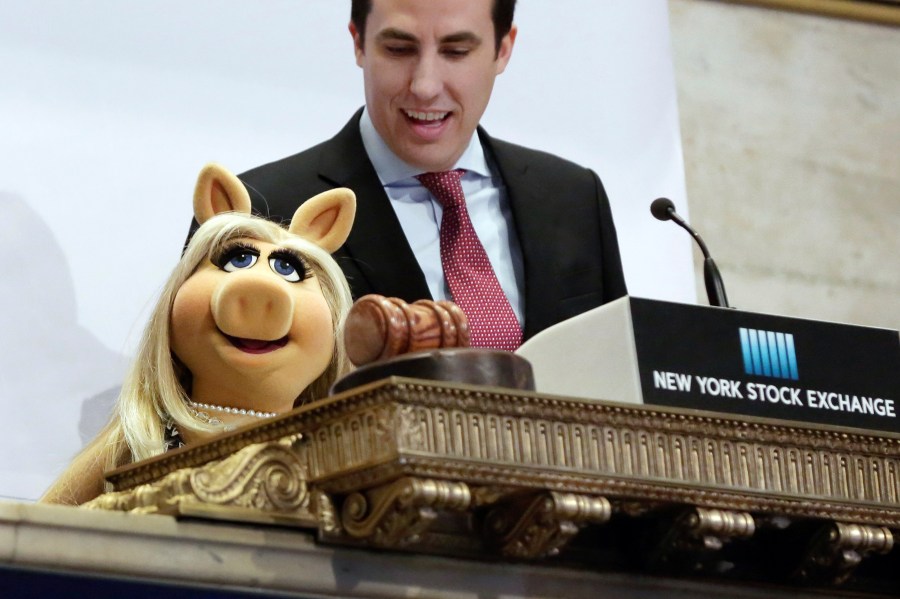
x: 427, y: 340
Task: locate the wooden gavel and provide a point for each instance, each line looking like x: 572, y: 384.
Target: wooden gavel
x: 378, y: 327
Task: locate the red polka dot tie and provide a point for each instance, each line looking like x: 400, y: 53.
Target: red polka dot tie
x: 473, y: 284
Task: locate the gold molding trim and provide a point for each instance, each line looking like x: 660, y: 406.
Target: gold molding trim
x: 490, y: 437
x: 881, y: 13
x: 481, y: 472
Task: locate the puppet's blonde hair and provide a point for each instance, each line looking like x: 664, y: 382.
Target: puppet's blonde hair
x: 156, y: 387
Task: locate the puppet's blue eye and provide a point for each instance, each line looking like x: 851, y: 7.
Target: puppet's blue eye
x: 239, y: 260
x: 285, y: 268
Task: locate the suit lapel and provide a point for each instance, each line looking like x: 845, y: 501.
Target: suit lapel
x: 532, y: 210
x: 377, y: 244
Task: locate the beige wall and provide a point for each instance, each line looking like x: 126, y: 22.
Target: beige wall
x: 791, y: 133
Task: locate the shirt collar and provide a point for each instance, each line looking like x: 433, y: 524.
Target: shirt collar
x: 392, y: 169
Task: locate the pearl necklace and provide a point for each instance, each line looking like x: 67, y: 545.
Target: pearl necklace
x: 230, y: 410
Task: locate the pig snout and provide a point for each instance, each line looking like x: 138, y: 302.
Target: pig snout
x: 252, y: 306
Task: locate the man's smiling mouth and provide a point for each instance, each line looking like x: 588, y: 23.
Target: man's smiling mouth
x: 426, y: 117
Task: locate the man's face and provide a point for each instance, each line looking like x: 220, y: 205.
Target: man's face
x: 429, y: 68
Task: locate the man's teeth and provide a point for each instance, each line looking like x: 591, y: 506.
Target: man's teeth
x: 426, y: 116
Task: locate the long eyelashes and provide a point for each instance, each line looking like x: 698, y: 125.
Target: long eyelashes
x: 286, y: 263
x: 289, y: 265
x: 236, y: 256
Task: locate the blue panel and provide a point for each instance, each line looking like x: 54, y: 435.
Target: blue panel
x: 745, y: 350
x: 782, y: 356
x: 754, y: 351
x: 792, y: 356
x: 764, y: 353
x: 773, y: 355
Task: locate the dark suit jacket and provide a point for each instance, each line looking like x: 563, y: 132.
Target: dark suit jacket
x: 561, y: 212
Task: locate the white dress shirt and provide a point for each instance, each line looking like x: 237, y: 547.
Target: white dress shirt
x: 420, y: 213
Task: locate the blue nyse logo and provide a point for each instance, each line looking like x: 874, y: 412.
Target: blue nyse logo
x: 767, y: 353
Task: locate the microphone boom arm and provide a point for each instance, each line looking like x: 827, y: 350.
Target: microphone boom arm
x: 664, y: 209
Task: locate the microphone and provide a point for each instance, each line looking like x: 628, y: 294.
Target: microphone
x: 664, y: 209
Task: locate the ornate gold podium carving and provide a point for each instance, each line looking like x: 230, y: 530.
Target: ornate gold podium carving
x: 696, y: 535
x: 542, y: 524
x: 471, y: 470
x: 840, y: 548
x: 263, y: 482
x: 394, y: 515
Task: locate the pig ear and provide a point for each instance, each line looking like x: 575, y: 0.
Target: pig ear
x: 326, y: 219
x: 218, y: 191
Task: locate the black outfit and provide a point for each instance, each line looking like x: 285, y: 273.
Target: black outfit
x: 172, y: 439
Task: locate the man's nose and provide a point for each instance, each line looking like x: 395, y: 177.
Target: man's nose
x: 427, y: 78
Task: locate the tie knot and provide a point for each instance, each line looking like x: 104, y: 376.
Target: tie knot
x: 445, y: 186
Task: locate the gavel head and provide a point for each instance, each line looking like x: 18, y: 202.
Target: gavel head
x: 380, y: 327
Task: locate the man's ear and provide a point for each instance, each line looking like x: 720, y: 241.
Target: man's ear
x: 326, y: 219
x: 357, y: 43
x: 504, y: 52
x: 218, y: 191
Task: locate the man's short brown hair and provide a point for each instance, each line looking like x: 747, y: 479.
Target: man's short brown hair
x: 501, y: 14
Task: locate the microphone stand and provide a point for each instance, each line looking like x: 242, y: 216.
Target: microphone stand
x: 664, y: 209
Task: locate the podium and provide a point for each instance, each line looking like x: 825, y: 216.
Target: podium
x: 637, y: 350
x: 538, y: 493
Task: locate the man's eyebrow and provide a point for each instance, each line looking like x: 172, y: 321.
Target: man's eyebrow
x: 394, y: 34
x: 463, y: 37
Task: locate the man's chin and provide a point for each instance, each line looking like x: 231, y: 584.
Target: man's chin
x: 430, y: 157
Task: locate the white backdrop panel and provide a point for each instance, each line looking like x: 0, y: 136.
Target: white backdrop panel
x: 108, y: 109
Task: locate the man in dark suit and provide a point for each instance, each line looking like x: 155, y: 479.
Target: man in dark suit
x: 429, y: 68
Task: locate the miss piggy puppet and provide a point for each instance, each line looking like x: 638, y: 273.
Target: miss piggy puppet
x: 245, y: 328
